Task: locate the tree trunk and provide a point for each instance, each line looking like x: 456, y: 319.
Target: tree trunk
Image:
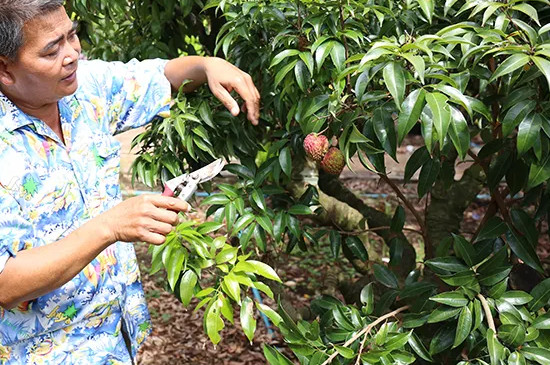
x: 374, y: 218
x: 448, y: 203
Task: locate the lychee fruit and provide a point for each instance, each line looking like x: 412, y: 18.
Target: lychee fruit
x: 333, y: 162
x: 316, y: 146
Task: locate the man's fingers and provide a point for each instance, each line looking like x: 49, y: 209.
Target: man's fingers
x: 227, y: 100
x: 246, y: 89
x: 166, y: 216
x: 171, y: 203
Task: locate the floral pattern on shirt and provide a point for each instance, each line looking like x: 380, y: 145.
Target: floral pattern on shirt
x: 49, y: 188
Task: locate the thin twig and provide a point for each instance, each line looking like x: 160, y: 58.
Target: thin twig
x: 365, y: 331
x: 487, y: 311
x: 381, y: 228
x: 406, y: 201
x: 358, y: 361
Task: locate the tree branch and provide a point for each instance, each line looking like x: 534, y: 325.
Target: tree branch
x: 365, y: 331
x: 406, y: 201
x: 487, y: 310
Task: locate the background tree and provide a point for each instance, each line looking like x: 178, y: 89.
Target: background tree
x: 363, y: 74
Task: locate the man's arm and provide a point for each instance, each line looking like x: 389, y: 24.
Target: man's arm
x: 37, y: 271
x: 222, y: 78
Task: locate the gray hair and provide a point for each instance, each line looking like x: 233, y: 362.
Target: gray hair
x: 13, y: 16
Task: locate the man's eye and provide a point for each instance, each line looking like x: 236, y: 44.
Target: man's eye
x: 52, y: 54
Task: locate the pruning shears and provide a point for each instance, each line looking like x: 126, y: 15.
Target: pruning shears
x: 185, y: 185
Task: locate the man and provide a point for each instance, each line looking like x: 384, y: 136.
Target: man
x: 70, y: 291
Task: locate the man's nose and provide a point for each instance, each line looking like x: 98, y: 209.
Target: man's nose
x: 71, y: 56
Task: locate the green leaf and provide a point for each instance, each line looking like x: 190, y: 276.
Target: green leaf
x: 242, y: 222
x: 248, y: 322
x: 307, y: 58
x: 516, y: 297
x: 449, y: 263
x: 515, y: 115
x: 385, y: 131
x: 302, y: 75
x: 394, y: 78
x: 231, y: 287
x: 512, y: 334
x: 516, y: 358
x: 335, y: 243
x: 441, y: 114
x: 416, y: 161
x: 410, y: 112
x: 496, y: 350
x: 357, y: 248
x: 463, y: 326
x: 541, y: 295
x: 418, y: 64
x: 338, y: 55
x: 511, y: 64
x: 464, y: 250
x: 452, y: 299
x: 322, y: 52
x: 283, y: 72
x: 285, y: 160
x: 539, y: 172
x: 427, y: 177
x: 213, y: 322
x: 540, y: 355
x: 499, y: 168
x: 345, y: 352
x: 258, y: 268
x: 300, y: 209
x: 457, y: 96
x: 523, y: 249
x: 459, y: 132
x: 282, y: 55
x: 543, y: 65
x: 279, y: 226
x: 270, y: 313
x: 398, y: 220
x: 527, y: 9
x: 175, y: 264
x: 526, y: 225
x: 544, y: 29
x: 542, y: 322
x: 443, y: 313
x: 187, y: 286
x: 427, y: 7
x: 419, y: 348
x: 367, y: 298
x: 528, y: 132
x: 385, y: 276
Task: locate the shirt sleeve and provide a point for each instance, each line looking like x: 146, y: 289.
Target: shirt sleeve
x: 16, y: 233
x: 134, y: 92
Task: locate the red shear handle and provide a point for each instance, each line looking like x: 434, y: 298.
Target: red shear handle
x: 167, y: 191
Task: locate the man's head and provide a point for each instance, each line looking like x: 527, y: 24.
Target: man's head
x: 13, y: 16
x: 39, y: 52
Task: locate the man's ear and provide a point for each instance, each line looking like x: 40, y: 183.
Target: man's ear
x: 6, y: 77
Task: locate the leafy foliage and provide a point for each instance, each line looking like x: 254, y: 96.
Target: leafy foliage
x: 367, y: 73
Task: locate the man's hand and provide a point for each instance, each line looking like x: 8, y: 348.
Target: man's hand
x: 147, y: 218
x: 223, y: 78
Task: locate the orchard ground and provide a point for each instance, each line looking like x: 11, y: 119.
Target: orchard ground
x: 178, y: 336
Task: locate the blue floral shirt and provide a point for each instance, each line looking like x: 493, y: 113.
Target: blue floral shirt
x: 48, y: 189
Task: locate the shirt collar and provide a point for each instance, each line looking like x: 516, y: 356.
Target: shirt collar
x: 12, y: 118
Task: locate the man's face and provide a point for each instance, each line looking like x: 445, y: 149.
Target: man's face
x: 45, y: 68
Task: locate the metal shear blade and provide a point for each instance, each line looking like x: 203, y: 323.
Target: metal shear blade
x: 185, y: 185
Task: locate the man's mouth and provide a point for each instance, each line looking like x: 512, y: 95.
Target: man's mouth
x: 70, y: 77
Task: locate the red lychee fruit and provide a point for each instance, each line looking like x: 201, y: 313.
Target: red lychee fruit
x: 333, y: 162
x: 316, y: 146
